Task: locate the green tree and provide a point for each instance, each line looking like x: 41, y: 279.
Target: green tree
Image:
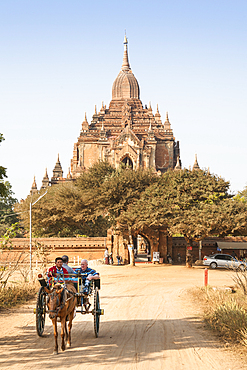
x: 61, y: 212
x: 195, y: 204
x: 241, y: 196
x: 7, y: 213
x: 7, y: 201
x: 3, y: 190
x: 90, y: 205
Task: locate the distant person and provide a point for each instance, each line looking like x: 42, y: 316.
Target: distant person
x: 234, y: 254
x: 65, y: 264
x: 106, y: 256
x: 169, y: 258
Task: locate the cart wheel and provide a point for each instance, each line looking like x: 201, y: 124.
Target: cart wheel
x: 96, y: 312
x: 40, y: 312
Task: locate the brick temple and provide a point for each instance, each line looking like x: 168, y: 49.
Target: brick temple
x: 126, y: 132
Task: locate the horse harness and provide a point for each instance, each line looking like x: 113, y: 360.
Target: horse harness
x: 54, y: 294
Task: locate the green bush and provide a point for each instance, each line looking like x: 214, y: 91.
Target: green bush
x: 14, y: 295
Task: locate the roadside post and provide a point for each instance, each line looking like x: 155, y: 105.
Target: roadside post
x: 206, y: 277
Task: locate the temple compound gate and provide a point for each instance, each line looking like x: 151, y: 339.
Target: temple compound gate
x: 158, y: 240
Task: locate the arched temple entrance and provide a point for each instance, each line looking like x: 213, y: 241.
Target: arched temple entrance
x: 127, y: 162
x: 142, y: 248
x: 156, y: 239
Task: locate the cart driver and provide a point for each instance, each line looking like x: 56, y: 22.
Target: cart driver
x: 58, y: 271
x: 90, y: 274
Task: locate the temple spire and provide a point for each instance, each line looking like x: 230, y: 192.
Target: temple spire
x: 125, y: 65
x: 34, y: 187
x: 45, y: 181
x: 196, y: 165
x: 178, y: 165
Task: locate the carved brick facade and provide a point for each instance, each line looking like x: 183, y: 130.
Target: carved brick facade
x: 126, y: 132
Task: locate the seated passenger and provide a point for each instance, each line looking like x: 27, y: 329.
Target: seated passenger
x: 65, y: 265
x: 58, y: 271
x: 90, y: 274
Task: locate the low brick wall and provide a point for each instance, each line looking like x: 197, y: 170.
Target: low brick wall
x: 209, y: 246
x: 75, y: 248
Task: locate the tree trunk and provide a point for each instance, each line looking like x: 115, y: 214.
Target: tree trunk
x: 131, y: 252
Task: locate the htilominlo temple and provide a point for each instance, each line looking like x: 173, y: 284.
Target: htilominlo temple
x: 125, y: 132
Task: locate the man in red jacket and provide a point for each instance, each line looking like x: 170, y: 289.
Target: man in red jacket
x: 58, y: 271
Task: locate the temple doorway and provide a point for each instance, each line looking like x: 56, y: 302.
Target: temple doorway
x: 142, y: 249
x: 127, y: 162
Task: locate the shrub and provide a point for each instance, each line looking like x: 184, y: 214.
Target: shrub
x: 228, y: 319
x: 224, y: 312
x: 19, y: 294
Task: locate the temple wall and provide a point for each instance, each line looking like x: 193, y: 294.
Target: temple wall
x: 75, y: 248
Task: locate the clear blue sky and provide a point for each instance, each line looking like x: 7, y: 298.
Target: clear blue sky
x: 60, y: 58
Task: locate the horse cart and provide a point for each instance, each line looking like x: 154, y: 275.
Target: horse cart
x: 86, y: 303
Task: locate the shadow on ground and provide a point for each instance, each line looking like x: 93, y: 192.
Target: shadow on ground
x: 118, y: 339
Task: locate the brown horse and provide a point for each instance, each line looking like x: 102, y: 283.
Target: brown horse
x: 61, y: 304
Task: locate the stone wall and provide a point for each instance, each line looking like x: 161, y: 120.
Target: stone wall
x: 75, y: 248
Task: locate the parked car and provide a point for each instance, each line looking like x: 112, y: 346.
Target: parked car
x: 224, y: 260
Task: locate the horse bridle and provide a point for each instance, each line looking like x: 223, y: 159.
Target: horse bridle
x: 59, y: 308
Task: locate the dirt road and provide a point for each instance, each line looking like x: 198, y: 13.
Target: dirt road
x: 148, y: 324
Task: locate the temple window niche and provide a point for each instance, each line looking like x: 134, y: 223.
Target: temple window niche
x: 127, y: 162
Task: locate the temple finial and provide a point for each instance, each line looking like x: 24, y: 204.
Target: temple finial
x: 157, y: 108
x: 125, y: 64
x: 95, y: 110
x: 34, y: 186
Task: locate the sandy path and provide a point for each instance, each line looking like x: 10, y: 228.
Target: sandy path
x: 148, y: 324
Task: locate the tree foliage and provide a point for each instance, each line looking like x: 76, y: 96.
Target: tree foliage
x: 90, y: 205
x: 195, y: 204
x: 241, y: 196
x: 3, y: 189
x: 7, y: 213
x: 61, y: 213
x: 7, y: 201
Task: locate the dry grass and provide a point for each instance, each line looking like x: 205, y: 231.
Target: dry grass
x: 17, y: 294
x: 224, y: 312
